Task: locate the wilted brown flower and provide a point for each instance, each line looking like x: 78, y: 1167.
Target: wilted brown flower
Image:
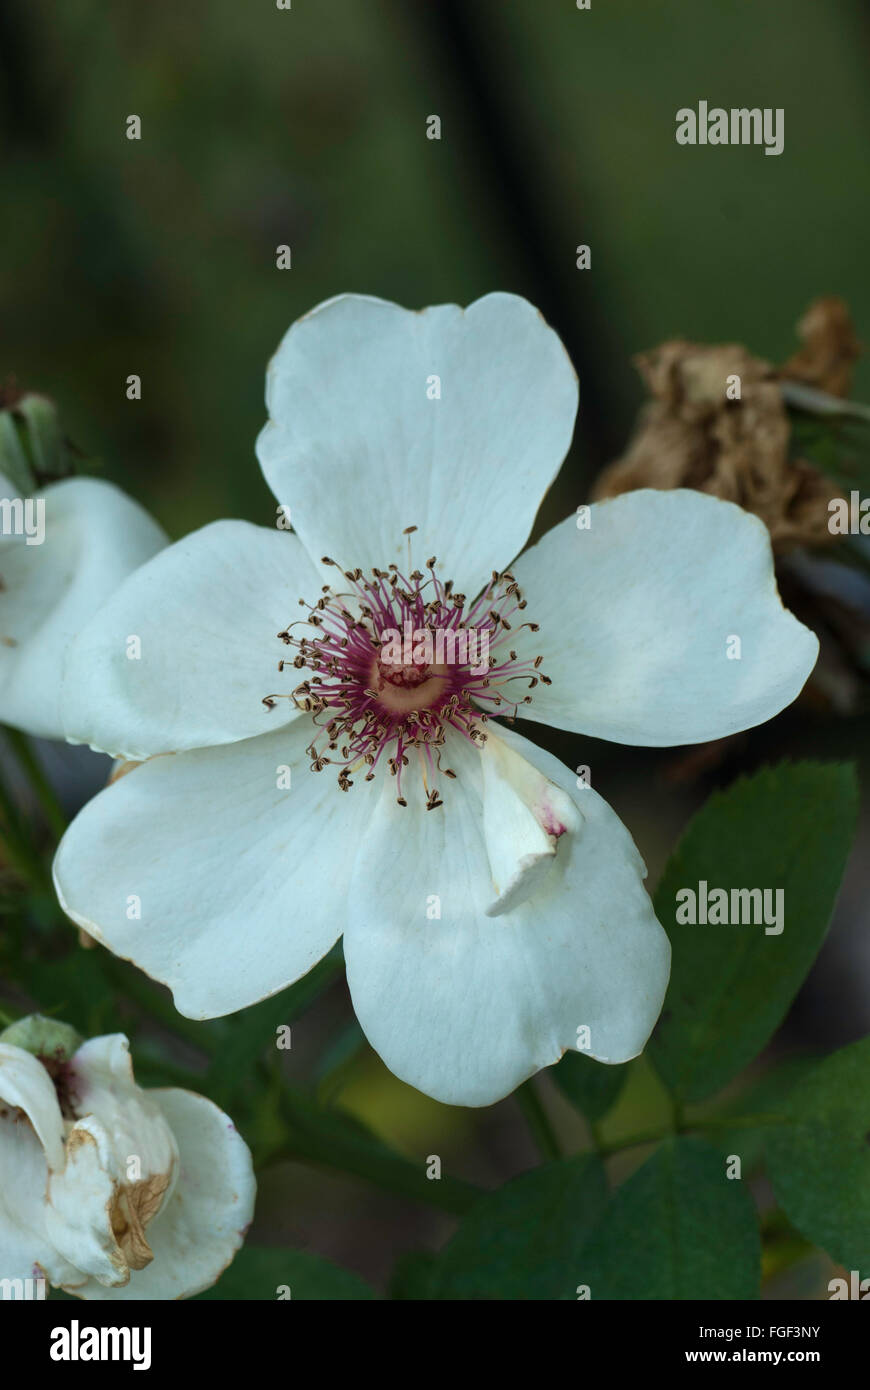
x: 830, y: 348
x: 698, y: 432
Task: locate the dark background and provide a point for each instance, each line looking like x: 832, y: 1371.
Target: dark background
x: 307, y: 127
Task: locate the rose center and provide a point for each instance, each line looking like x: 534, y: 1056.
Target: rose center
x: 395, y: 664
x: 408, y: 674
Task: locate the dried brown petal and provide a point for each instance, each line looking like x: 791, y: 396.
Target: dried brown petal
x: 830, y: 348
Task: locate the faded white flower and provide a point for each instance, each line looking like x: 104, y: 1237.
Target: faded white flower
x: 65, y: 546
x: 106, y: 1190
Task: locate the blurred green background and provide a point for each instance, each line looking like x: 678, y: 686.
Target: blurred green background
x: 307, y: 127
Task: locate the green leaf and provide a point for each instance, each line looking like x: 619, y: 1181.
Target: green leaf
x: 677, y: 1229
x: 766, y: 1096
x: 524, y: 1241
x: 590, y: 1085
x: 260, y: 1273
x: 785, y: 828
x: 819, y: 1163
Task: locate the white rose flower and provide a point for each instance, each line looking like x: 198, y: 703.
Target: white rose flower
x: 109, y: 1191
x: 64, y: 549
x: 491, y: 908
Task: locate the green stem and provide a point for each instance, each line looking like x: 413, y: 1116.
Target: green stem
x: 633, y: 1141
x: 17, y: 845
x: 807, y: 398
x: 597, y: 1136
x: 652, y: 1136
x: 538, y: 1120
x: 45, y: 793
x: 739, y: 1122
x: 318, y: 1137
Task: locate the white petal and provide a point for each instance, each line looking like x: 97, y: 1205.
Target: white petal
x: 524, y: 817
x: 94, y: 537
x: 80, y: 1201
x: 466, y: 1006
x: 637, y: 616
x: 25, y: 1083
x: 121, y: 1166
x: 25, y: 1249
x: 199, y: 1231
x: 358, y: 451
x: 206, y: 613
x: 242, y: 883
x: 31, y: 1135
x: 103, y: 1086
